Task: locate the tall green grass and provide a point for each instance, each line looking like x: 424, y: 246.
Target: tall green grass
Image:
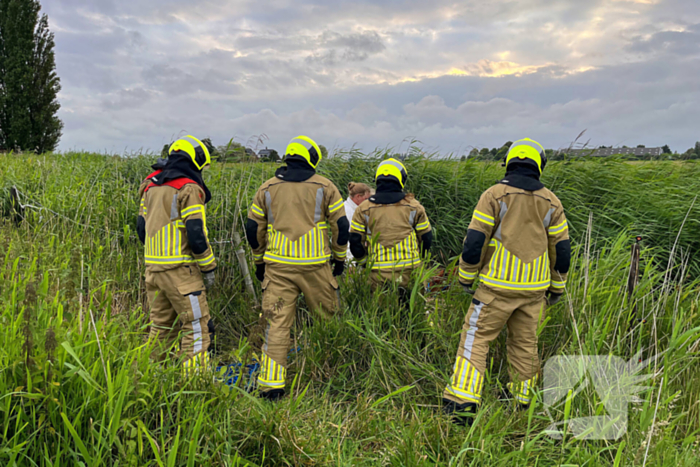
x: 77, y: 386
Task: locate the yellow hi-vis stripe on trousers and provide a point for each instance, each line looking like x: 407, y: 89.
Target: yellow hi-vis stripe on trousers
x: 195, y: 364
x: 522, y: 390
x: 272, y: 374
x: 466, y: 381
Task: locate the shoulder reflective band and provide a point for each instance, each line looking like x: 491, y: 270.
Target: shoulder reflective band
x: 358, y: 227
x: 423, y: 225
x: 557, y: 229
x: 268, y: 201
x: 192, y: 210
x: 334, y: 207
x: 319, y: 205
x: 256, y: 210
x: 485, y: 218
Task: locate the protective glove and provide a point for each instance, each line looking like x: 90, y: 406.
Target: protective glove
x: 260, y: 271
x: 338, y: 267
x: 468, y: 288
x: 552, y: 298
x: 209, y: 280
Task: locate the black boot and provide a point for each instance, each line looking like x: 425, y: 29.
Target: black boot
x: 462, y: 414
x: 273, y: 395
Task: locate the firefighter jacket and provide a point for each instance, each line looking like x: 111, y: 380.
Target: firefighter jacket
x: 172, y: 226
x: 518, y: 240
x: 289, y: 222
x: 396, y: 233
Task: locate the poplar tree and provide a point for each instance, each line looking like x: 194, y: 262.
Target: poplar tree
x: 28, y: 81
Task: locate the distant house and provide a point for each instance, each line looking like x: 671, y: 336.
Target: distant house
x: 605, y: 152
x: 268, y: 155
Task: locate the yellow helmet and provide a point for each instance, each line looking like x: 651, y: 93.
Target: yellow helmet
x: 392, y: 168
x: 194, y: 148
x: 527, y: 149
x: 306, y: 148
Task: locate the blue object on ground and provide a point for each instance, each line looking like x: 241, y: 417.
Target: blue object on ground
x: 232, y: 371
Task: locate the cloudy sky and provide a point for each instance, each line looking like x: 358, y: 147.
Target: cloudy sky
x: 453, y: 75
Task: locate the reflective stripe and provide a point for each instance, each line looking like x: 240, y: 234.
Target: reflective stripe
x: 311, y: 246
x: 196, y: 326
x: 199, y: 361
x: 558, y: 284
x: 303, y: 142
x: 527, y: 142
x: 501, y: 214
x: 471, y: 332
x: 341, y: 254
x: 169, y: 259
x: 395, y: 164
x: 268, y: 200
x: 257, y: 210
x: 412, y: 217
x: 423, y: 226
x: 358, y: 227
x: 466, y: 382
x: 193, y: 141
x: 467, y: 275
x: 272, y: 374
x: 503, y: 284
x: 336, y: 206
x: 558, y: 228
x: 319, y: 205
x: 173, y: 208
x: 510, y: 272
x: 192, y: 210
x: 522, y: 391
x: 395, y: 264
x: 403, y: 254
x: 548, y: 218
x: 291, y: 260
x: 206, y: 261
x: 486, y: 219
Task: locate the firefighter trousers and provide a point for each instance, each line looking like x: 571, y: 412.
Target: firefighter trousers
x: 178, y: 302
x: 281, y: 288
x: 489, y: 312
x: 381, y: 277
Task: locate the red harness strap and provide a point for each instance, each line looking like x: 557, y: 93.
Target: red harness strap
x: 177, y: 183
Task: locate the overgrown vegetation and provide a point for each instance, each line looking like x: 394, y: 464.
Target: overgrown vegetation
x: 77, y: 386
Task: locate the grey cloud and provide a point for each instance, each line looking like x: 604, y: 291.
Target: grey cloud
x: 684, y: 43
x: 373, y: 72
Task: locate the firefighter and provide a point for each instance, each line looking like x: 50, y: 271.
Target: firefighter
x: 395, y: 225
x: 180, y: 264
x: 288, y: 230
x: 518, y: 244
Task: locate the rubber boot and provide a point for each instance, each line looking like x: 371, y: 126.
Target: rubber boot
x: 462, y: 414
x: 272, y: 395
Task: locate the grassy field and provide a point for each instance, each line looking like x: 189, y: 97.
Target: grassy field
x: 77, y: 386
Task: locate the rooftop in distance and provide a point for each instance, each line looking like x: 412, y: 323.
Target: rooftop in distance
x: 602, y: 152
